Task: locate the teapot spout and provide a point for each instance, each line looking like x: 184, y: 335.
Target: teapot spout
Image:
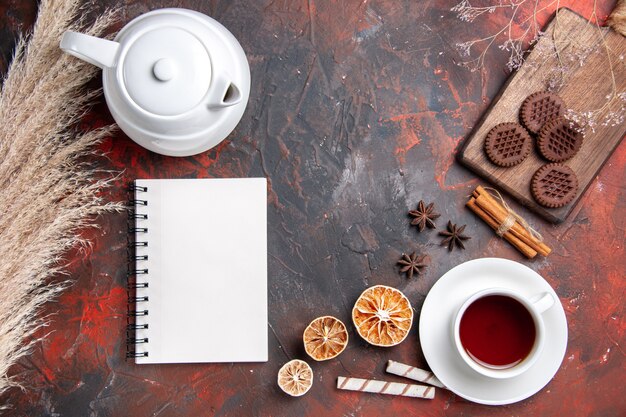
x: 223, y: 93
x: 99, y: 52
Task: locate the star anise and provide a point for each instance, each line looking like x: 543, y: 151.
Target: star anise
x: 454, y: 236
x: 425, y: 215
x: 412, y: 264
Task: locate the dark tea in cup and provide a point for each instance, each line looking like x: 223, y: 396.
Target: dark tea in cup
x: 497, y: 331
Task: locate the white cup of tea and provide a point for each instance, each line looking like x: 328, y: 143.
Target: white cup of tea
x: 500, y: 333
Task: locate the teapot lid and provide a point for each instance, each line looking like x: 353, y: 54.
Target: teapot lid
x: 165, y: 70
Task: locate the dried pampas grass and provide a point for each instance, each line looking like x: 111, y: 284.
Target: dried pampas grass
x: 47, y: 191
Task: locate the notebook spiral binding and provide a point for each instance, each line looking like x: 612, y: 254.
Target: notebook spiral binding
x: 136, y: 276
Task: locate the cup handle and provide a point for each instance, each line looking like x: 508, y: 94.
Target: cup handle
x: 543, y: 302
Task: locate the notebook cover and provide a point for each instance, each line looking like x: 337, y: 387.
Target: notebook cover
x: 207, y: 270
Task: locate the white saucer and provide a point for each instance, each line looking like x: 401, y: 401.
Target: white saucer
x: 435, y: 331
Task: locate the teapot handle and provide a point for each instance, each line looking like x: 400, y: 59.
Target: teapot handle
x: 99, y: 52
x: 223, y: 92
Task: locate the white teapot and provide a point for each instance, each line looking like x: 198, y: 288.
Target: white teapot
x: 176, y: 81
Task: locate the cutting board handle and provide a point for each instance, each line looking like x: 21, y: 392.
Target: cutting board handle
x: 617, y: 19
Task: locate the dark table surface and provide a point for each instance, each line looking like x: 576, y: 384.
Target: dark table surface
x: 355, y: 113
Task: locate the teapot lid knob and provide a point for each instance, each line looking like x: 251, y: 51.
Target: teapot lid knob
x: 164, y: 69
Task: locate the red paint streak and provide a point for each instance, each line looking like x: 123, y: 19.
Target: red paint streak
x: 99, y: 317
x: 403, y: 117
x: 453, y: 89
x: 272, y: 196
x: 415, y: 126
x: 48, y: 374
x: 408, y: 137
x: 101, y: 314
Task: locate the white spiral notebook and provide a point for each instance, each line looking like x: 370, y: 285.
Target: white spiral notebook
x: 198, y: 277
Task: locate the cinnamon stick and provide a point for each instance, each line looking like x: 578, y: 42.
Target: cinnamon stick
x: 517, y: 230
x: 509, y: 237
x: 486, y: 202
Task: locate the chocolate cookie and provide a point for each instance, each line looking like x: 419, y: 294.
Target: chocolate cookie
x: 559, y: 140
x: 539, y: 108
x: 507, y: 144
x: 554, y: 185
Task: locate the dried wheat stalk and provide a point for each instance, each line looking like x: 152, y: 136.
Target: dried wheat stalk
x: 47, y: 192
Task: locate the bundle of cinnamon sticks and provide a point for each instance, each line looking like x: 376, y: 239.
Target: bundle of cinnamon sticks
x: 501, y: 219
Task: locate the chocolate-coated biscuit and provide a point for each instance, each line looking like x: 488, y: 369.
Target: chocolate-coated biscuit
x: 539, y: 108
x: 507, y: 144
x: 554, y: 185
x: 559, y: 140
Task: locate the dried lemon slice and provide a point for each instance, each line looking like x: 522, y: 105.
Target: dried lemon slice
x: 325, y: 337
x: 382, y: 315
x: 295, y: 377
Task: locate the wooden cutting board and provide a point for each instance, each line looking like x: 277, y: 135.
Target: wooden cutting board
x: 586, y: 84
